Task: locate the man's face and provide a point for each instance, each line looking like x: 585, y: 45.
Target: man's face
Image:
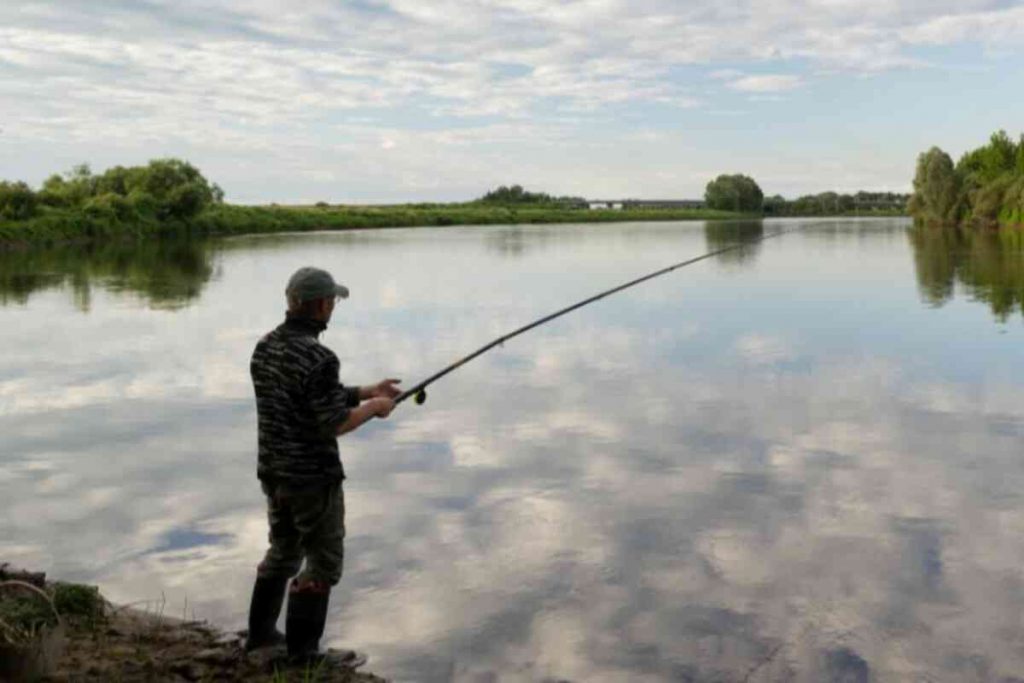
x: 327, y: 308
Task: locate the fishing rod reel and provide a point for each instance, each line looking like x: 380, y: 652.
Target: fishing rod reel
x: 418, y: 394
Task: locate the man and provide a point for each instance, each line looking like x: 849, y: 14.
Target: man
x: 302, y: 409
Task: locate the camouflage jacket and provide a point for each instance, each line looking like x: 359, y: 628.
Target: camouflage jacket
x: 300, y: 403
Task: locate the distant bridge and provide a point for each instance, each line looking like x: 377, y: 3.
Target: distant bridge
x: 646, y: 203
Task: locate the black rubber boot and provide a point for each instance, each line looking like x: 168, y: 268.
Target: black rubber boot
x: 265, y: 608
x: 304, y: 626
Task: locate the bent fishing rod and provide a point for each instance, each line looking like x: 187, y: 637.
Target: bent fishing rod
x: 419, y: 391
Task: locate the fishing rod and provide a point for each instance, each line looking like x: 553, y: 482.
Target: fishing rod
x: 419, y: 391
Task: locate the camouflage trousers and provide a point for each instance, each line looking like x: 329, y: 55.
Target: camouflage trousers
x: 307, y: 522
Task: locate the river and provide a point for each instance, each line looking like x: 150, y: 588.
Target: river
x: 797, y: 461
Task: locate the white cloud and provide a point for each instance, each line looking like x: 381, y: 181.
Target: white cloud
x: 766, y: 83
x: 227, y: 80
x: 995, y: 26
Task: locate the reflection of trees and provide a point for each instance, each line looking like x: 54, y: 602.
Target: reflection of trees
x: 327, y: 238
x: 989, y: 266
x: 515, y: 241
x: 169, y: 274
x: 722, y: 234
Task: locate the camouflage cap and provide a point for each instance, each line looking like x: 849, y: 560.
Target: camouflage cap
x: 308, y: 284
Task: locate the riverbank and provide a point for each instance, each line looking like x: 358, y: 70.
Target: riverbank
x: 105, y: 642
x: 60, y: 224
x: 863, y: 213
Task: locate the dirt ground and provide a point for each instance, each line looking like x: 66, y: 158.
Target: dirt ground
x: 136, y: 646
x: 104, y: 642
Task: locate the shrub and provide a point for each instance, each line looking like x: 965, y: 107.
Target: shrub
x: 987, y: 201
x: 17, y: 201
x: 1012, y: 212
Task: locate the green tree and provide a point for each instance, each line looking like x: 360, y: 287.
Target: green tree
x: 17, y: 201
x: 112, y: 207
x: 515, y: 194
x: 1012, y: 212
x: 829, y: 202
x: 117, y: 180
x: 70, y: 189
x: 178, y: 187
x: 776, y: 205
x: 987, y: 163
x: 936, y: 196
x: 988, y: 200
x: 735, y: 192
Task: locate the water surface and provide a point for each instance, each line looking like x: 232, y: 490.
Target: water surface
x: 798, y: 461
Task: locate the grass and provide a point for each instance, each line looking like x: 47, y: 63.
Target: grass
x: 25, y: 610
x: 77, y: 602
x: 310, y: 674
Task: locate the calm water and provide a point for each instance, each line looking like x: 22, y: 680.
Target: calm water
x: 801, y: 461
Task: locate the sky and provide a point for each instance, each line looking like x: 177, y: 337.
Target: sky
x: 404, y: 100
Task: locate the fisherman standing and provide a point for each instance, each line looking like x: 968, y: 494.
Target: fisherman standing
x: 302, y: 408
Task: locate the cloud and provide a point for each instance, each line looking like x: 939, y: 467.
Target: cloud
x: 252, y: 61
x: 993, y: 27
x: 767, y: 83
x: 224, y: 81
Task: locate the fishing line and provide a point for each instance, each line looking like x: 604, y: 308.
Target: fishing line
x: 419, y: 391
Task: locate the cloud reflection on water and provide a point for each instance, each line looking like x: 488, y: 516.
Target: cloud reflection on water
x: 613, y: 497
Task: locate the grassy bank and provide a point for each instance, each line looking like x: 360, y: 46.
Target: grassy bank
x: 60, y: 224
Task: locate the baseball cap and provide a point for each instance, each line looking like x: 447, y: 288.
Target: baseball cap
x: 310, y: 283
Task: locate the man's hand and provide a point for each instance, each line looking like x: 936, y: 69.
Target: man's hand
x: 381, y: 406
x: 385, y: 389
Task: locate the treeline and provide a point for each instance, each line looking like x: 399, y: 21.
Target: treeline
x: 984, y: 188
x: 515, y: 194
x: 738, y: 192
x: 171, y: 197
x: 164, y: 195
x: 836, y: 204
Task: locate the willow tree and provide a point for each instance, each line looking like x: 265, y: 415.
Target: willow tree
x: 734, y: 193
x: 936, y: 188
